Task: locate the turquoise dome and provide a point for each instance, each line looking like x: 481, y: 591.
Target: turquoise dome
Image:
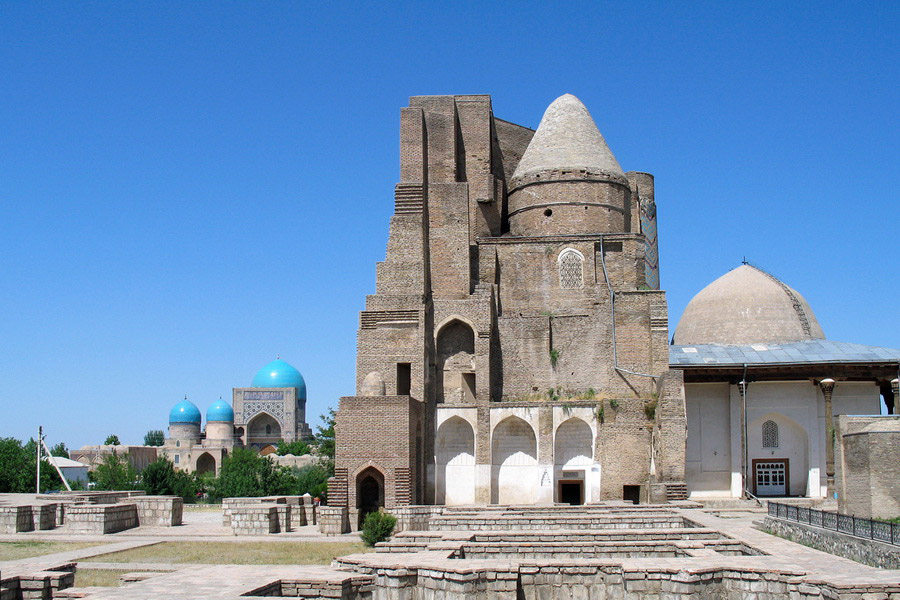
x: 279, y: 374
x: 185, y: 412
x: 220, y: 411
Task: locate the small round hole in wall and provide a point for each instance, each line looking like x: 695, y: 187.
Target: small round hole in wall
x: 548, y: 212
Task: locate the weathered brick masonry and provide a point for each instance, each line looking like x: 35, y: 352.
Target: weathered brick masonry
x: 514, y: 350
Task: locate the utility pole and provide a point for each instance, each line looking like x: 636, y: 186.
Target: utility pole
x: 40, y: 442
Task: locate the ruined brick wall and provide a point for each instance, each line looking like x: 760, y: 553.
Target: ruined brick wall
x: 385, y: 433
x: 530, y: 320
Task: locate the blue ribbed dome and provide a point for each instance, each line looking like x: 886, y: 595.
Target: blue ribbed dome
x: 279, y: 374
x: 220, y: 411
x: 184, y: 412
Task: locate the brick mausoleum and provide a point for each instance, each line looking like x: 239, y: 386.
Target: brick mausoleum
x: 517, y: 351
x: 516, y: 348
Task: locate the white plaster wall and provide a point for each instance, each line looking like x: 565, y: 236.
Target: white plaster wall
x: 515, y: 472
x: 856, y: 398
x: 455, y: 457
x: 794, y: 407
x: 708, y: 458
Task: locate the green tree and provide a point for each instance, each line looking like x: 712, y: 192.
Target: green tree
x: 313, y: 479
x: 157, y: 477
x: 14, y: 474
x: 297, y: 448
x: 115, y: 473
x: 60, y: 449
x: 154, y: 437
x: 324, y: 436
x: 160, y: 478
x: 245, y: 473
x: 112, y: 440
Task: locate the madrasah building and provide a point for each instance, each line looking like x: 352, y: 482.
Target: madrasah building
x: 517, y: 348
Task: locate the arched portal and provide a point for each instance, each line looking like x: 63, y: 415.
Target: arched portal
x: 369, y: 492
x: 573, y: 451
x: 206, y: 463
x: 514, y: 477
x: 456, y: 362
x: 778, y: 452
x: 262, y: 430
x: 455, y: 458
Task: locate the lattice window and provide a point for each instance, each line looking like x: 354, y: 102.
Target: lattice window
x: 770, y: 434
x: 571, y: 269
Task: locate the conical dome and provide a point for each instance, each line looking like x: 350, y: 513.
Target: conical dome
x: 280, y: 374
x: 567, y: 143
x: 568, y: 181
x: 747, y: 306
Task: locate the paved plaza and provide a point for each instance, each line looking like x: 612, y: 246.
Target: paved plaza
x: 607, y: 551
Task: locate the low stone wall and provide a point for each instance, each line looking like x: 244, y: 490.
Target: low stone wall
x: 868, y: 552
x: 91, y: 497
x: 101, y: 518
x: 38, y: 585
x: 414, y: 518
x: 14, y: 519
x: 229, y: 504
x: 333, y: 520
x: 256, y: 519
x: 158, y: 511
x: 44, y: 516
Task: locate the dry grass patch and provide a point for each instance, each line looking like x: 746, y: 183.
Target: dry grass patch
x: 98, y: 577
x: 236, y: 553
x: 17, y: 550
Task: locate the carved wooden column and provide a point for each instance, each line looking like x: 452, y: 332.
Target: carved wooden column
x: 827, y: 386
x: 742, y: 388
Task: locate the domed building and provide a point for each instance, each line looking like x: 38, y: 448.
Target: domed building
x: 273, y: 408
x: 763, y: 388
x: 192, y: 449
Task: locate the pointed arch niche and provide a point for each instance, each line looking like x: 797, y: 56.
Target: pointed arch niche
x: 456, y: 362
x: 514, y: 469
x: 455, y: 458
x: 573, y: 451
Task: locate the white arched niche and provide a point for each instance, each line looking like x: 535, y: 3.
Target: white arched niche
x: 455, y: 458
x: 573, y: 452
x: 514, y: 470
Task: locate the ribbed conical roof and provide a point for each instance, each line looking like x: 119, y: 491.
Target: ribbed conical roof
x: 567, y: 140
x: 747, y: 306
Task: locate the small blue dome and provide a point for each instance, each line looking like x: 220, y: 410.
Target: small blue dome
x: 220, y: 411
x: 184, y: 412
x: 279, y: 374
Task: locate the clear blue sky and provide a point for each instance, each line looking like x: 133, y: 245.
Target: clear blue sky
x: 189, y: 188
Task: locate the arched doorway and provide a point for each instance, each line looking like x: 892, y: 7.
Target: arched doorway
x: 369, y: 492
x: 455, y: 458
x: 262, y: 430
x: 456, y: 362
x: 514, y: 476
x: 206, y: 463
x: 573, y: 454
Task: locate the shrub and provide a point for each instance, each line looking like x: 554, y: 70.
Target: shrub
x: 377, y: 527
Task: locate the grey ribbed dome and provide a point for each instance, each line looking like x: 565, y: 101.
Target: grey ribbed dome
x: 747, y: 306
x: 567, y: 140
